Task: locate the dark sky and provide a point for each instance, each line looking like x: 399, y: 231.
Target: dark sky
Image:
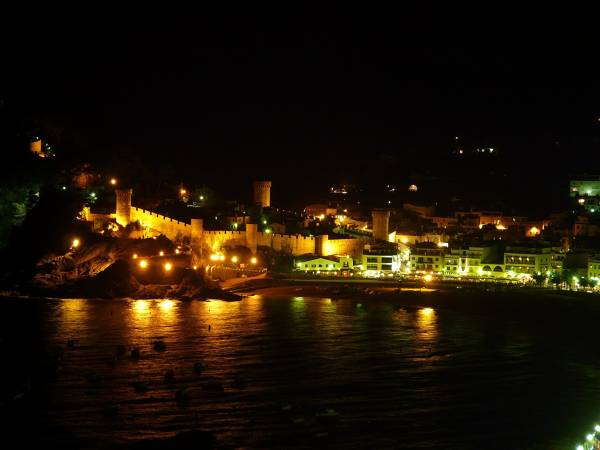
x: 200, y: 90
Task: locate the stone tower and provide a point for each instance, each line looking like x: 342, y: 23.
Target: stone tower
x: 262, y: 193
x: 123, y: 208
x: 381, y: 223
x: 251, y: 237
x: 196, y: 241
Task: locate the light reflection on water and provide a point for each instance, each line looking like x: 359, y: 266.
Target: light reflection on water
x: 393, y: 372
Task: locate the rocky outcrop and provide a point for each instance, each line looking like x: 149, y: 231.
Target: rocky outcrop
x: 102, y: 270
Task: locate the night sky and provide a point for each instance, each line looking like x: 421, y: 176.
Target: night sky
x: 274, y: 92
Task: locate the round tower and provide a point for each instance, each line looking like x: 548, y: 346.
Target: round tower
x: 251, y: 237
x: 196, y: 240
x: 322, y: 245
x: 123, y: 208
x: 381, y: 223
x: 262, y: 193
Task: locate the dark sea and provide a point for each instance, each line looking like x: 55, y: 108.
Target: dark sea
x: 295, y: 372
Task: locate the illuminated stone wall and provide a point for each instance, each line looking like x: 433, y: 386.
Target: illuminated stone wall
x: 351, y: 247
x: 172, y: 229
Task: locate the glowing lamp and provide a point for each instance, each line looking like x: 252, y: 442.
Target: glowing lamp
x: 75, y: 243
x: 161, y: 253
x: 222, y: 257
x: 234, y: 259
x: 177, y: 251
x: 183, y: 192
x: 253, y: 260
x: 113, y: 181
x: 134, y: 256
x: 143, y: 264
x: 427, y: 278
x: 168, y: 266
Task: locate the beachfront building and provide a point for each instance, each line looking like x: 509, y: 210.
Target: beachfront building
x: 326, y: 264
x: 532, y: 260
x: 380, y: 261
x: 594, y: 269
x: 426, y: 257
x: 474, y: 261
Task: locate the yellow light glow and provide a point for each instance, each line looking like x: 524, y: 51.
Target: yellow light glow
x: 427, y: 278
x: 134, y: 256
x: 167, y: 304
x: 168, y: 266
x: 214, y: 257
x: 404, y: 239
x: 177, y: 251
x: 222, y: 257
x: 253, y: 260
x: 202, y: 197
x: 75, y: 243
x: 234, y: 259
x: 183, y: 192
x: 534, y: 231
x: 141, y: 305
x: 581, y: 201
x: 113, y: 181
x: 195, y: 267
x: 322, y: 216
x: 161, y: 253
x: 500, y: 227
x: 143, y: 263
x: 426, y: 311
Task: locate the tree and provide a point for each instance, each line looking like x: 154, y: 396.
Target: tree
x: 539, y: 278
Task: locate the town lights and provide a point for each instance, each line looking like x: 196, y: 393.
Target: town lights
x: 143, y: 264
x: 234, y: 259
x: 113, y: 181
x: 195, y: 267
x: 427, y: 278
x: 161, y: 253
x: 75, y: 243
x: 214, y: 257
x: 182, y: 191
x: 221, y: 257
x: 202, y: 198
x: 253, y: 260
x: 268, y: 230
x: 177, y: 251
x: 168, y: 266
x: 134, y: 256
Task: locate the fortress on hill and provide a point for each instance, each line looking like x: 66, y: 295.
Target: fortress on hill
x: 206, y: 242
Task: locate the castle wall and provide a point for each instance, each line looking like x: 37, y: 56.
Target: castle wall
x: 351, y: 247
x: 212, y: 241
x: 172, y: 229
x: 206, y: 242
